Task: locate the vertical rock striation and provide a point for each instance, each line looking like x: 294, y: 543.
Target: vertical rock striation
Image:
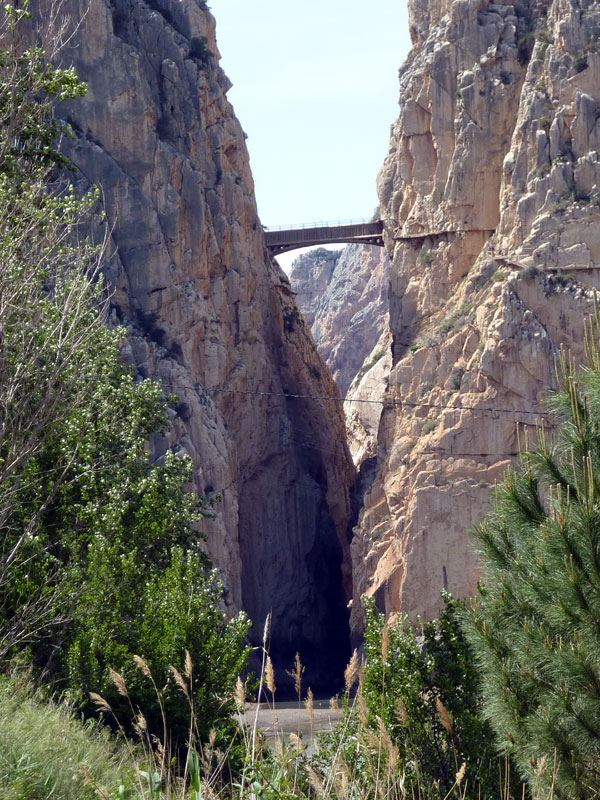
x: 343, y: 297
x: 491, y: 185
x: 213, y: 318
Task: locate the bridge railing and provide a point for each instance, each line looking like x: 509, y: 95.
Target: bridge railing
x: 320, y: 224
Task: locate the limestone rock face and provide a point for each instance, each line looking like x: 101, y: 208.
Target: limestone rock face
x: 343, y: 298
x: 310, y: 276
x: 367, y: 397
x: 213, y: 318
x: 490, y: 187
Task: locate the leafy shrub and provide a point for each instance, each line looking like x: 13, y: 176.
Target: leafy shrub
x: 525, y: 42
x: 427, y: 339
x: 415, y: 719
x: 174, y: 610
x: 456, y: 319
x: 560, y: 279
x: 456, y: 377
x: 529, y: 272
x: 429, y: 426
x: 425, y: 257
x: 544, y: 123
x: 543, y: 169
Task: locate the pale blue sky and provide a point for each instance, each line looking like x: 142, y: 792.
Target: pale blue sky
x: 315, y: 86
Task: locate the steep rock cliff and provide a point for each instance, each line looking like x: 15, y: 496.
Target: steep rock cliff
x: 310, y: 276
x: 212, y: 317
x: 491, y: 185
x: 343, y: 299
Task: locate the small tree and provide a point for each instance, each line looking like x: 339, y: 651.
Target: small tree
x: 52, y: 306
x: 536, y: 627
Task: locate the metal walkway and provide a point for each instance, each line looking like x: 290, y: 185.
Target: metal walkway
x: 280, y: 241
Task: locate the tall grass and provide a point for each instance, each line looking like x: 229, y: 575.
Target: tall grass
x: 48, y: 754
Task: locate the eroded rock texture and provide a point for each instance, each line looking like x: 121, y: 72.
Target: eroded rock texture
x: 213, y: 318
x: 343, y: 298
x: 491, y: 185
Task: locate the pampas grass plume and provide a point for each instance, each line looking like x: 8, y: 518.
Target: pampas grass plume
x: 444, y: 715
x: 119, y: 682
x: 240, y: 692
x: 270, y: 676
x: 310, y: 704
x: 181, y: 684
x: 351, y: 671
x: 188, y: 665
x: 99, y: 702
x: 141, y: 665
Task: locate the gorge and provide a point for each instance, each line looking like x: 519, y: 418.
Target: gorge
x: 489, y: 198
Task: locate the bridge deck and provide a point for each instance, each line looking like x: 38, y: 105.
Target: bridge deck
x: 363, y: 233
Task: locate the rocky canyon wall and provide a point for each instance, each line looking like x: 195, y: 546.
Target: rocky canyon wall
x: 343, y: 296
x: 212, y: 317
x: 490, y: 196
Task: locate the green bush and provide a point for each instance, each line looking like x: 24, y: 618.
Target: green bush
x: 429, y: 426
x: 456, y: 319
x: 199, y: 49
x: 157, y: 618
x: 415, y: 720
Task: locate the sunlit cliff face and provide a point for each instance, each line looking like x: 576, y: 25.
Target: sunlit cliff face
x: 487, y: 192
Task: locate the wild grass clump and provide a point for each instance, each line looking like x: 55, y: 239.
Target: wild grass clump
x: 48, y: 754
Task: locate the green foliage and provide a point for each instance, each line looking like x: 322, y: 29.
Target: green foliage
x: 278, y: 775
x: 544, y: 123
x: 52, y: 319
x: 535, y: 628
x: 525, y: 43
x: 543, y: 169
x: 425, y: 257
x: 456, y: 319
x: 158, y: 616
x: 530, y: 272
x: 199, y: 49
x: 456, y: 376
x: 416, y: 714
x: 29, y: 86
x: 429, y: 426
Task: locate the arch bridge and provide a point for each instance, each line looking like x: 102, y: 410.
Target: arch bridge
x: 363, y: 232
